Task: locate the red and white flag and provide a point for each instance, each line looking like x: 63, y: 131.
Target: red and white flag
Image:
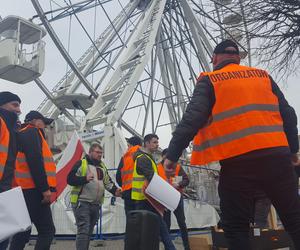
x: 71, y: 155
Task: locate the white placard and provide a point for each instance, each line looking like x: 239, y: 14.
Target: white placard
x: 14, y: 215
x: 163, y: 192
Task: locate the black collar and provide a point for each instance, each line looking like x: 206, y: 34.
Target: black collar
x: 9, y: 117
x: 225, y: 63
x: 92, y: 161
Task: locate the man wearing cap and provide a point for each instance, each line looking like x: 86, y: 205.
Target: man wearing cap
x: 239, y: 117
x: 9, y: 111
x: 36, y: 174
x: 125, y: 172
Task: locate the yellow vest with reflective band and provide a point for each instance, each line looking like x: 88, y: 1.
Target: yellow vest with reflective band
x: 245, y: 116
x: 138, y: 181
x: 4, y: 143
x: 23, y: 176
x: 75, y: 192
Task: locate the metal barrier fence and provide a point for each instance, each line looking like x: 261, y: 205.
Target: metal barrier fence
x: 204, y: 184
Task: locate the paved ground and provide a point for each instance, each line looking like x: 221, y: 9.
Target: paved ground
x: 108, y: 245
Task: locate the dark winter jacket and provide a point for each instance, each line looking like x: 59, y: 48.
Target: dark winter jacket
x: 10, y: 120
x: 200, y: 108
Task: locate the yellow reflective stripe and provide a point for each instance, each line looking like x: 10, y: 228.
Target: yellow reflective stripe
x: 130, y: 171
x: 22, y: 175
x: 21, y: 160
x: 75, y: 191
x: 48, y: 173
x: 245, y: 109
x: 2, y: 168
x: 48, y: 159
x: 138, y: 190
x: 126, y: 182
x: 237, y: 135
x: 28, y: 174
x: 138, y: 178
x: 3, y: 148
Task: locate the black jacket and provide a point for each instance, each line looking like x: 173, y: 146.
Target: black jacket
x: 119, y: 174
x: 10, y: 120
x: 30, y: 143
x: 199, y: 110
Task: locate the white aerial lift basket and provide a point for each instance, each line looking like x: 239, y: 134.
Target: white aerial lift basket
x: 22, y: 51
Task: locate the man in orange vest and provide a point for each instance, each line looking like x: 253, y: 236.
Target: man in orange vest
x: 9, y: 111
x: 36, y: 174
x: 239, y: 117
x: 125, y: 172
x: 179, y: 181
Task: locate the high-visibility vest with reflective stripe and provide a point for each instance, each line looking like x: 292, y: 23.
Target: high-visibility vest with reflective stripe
x: 138, y: 181
x: 75, y: 192
x: 127, y: 169
x: 4, y: 143
x: 23, y: 176
x: 162, y: 173
x: 245, y: 116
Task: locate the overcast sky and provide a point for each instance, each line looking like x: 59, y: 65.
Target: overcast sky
x: 32, y: 96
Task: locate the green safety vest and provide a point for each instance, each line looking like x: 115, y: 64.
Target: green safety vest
x: 139, y: 180
x: 76, y: 190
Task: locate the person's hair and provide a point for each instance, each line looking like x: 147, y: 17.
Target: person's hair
x: 134, y: 140
x: 95, y: 145
x: 164, y: 152
x: 149, y: 137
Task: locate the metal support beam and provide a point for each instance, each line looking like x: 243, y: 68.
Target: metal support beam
x: 62, y: 49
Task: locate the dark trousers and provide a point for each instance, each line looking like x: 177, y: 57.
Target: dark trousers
x: 41, y: 217
x: 129, y: 205
x: 179, y: 214
x: 163, y: 231
x: 272, y: 174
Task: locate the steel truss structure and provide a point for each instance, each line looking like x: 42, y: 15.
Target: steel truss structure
x: 145, y: 63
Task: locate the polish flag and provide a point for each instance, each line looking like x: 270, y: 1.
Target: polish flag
x: 71, y: 155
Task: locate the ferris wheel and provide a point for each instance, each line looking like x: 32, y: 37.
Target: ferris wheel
x: 135, y: 62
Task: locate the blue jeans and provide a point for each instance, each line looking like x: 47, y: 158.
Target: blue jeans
x: 163, y: 230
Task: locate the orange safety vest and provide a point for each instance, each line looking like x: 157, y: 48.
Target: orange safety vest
x: 127, y: 170
x: 162, y: 173
x: 245, y: 116
x: 23, y: 177
x: 4, y: 143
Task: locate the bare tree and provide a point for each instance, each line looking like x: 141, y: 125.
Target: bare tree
x: 274, y: 26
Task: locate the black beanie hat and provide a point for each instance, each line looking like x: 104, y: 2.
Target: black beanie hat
x: 6, y: 97
x: 222, y: 46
